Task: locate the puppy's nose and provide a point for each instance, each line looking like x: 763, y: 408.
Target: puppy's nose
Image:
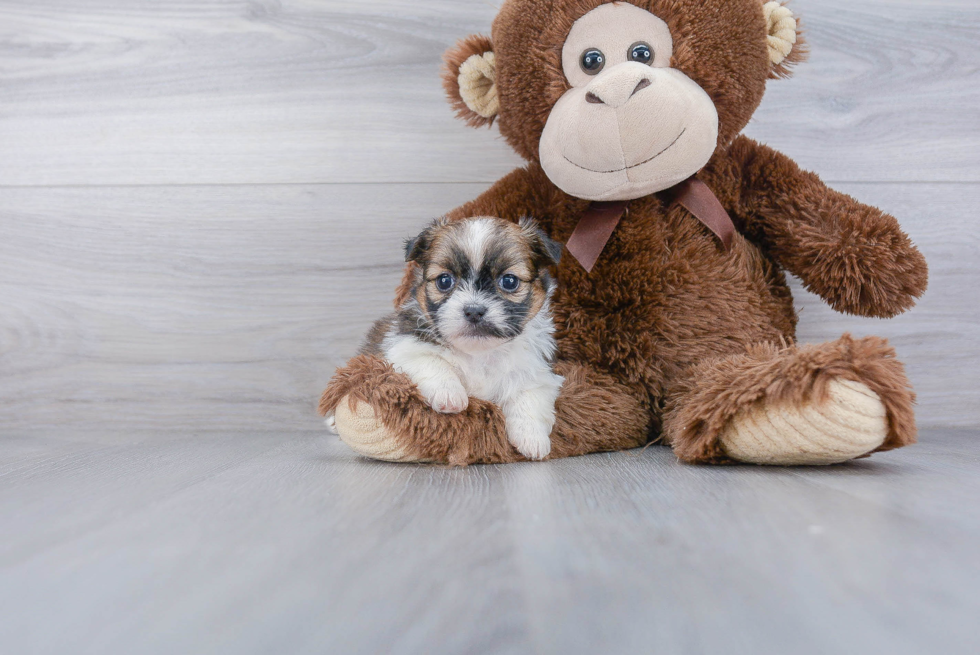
x: 474, y: 313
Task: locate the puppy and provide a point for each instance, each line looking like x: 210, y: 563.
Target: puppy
x: 478, y: 323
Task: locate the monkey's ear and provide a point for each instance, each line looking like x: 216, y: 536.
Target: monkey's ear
x: 546, y: 250
x: 785, y: 39
x: 470, y: 79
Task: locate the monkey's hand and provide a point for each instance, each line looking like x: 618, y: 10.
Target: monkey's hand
x: 859, y: 261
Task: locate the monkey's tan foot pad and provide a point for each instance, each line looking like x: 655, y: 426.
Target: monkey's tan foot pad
x: 849, y: 423
x: 363, y: 431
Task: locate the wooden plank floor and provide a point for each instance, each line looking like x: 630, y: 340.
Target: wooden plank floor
x: 288, y: 543
x: 201, y: 208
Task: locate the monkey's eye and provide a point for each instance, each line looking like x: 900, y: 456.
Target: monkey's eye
x: 592, y: 61
x: 509, y: 283
x: 445, y: 282
x: 641, y: 52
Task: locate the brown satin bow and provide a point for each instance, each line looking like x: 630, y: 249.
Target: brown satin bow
x: 598, y: 223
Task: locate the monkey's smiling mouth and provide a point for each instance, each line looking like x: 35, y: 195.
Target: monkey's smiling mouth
x: 620, y: 170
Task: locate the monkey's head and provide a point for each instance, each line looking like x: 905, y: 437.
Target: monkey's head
x: 618, y: 100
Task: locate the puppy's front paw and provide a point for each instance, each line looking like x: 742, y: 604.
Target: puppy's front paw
x: 448, y: 398
x: 532, y: 441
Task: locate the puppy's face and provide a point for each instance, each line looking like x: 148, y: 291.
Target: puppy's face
x: 481, y: 280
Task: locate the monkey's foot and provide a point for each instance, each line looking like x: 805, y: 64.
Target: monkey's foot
x: 362, y: 430
x: 793, y: 405
x: 849, y: 422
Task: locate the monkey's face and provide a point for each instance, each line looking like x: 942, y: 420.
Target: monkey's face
x: 620, y: 99
x: 630, y: 125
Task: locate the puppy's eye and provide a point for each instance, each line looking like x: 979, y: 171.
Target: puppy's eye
x: 445, y: 282
x: 509, y: 283
x: 641, y: 52
x: 592, y: 61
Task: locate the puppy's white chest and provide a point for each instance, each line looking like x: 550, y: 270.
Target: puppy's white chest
x: 486, y: 377
x: 505, y: 372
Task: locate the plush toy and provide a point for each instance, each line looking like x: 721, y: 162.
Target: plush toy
x: 674, y: 320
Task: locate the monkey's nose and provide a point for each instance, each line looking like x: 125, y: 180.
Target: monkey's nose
x: 616, y: 87
x: 474, y: 313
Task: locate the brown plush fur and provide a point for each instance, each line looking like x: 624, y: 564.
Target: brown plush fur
x: 668, y: 326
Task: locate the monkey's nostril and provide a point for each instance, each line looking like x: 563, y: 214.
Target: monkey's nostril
x: 644, y: 83
x: 594, y: 99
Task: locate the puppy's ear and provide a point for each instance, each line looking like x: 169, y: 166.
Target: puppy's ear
x: 417, y: 247
x: 469, y: 77
x: 546, y: 251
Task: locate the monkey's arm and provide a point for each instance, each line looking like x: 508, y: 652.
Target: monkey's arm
x: 852, y: 255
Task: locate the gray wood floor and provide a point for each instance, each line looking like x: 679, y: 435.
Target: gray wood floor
x: 238, y: 542
x: 201, y: 206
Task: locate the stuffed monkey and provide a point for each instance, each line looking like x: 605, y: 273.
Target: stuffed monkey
x: 674, y: 320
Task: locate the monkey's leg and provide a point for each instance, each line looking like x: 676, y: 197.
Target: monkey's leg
x: 821, y: 404
x: 380, y: 414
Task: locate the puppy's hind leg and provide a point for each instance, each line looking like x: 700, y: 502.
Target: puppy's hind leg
x: 331, y: 422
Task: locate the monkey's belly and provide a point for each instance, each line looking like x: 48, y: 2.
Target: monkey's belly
x: 649, y: 314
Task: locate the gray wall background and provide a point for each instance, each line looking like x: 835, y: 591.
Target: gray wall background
x: 202, y: 202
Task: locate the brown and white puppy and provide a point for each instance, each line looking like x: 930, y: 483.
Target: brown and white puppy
x: 478, y: 323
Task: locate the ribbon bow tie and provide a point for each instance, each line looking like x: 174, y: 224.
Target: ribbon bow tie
x: 598, y: 223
